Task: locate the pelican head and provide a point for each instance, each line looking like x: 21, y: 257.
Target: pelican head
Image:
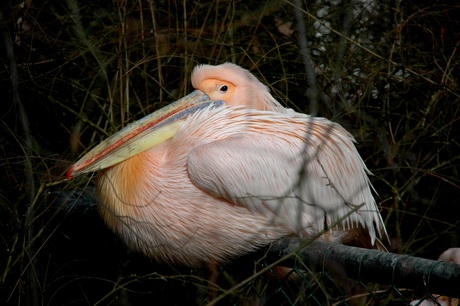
x: 244, y: 89
x: 225, y: 84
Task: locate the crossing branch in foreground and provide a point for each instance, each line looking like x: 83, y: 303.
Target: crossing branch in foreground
x: 373, y: 266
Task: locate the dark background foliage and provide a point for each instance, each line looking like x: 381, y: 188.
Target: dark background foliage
x: 73, y: 72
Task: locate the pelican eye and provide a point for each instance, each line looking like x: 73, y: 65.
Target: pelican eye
x: 223, y: 88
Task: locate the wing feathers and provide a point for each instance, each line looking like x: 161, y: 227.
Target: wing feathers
x: 298, y: 170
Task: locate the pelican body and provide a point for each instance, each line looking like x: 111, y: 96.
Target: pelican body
x: 226, y: 170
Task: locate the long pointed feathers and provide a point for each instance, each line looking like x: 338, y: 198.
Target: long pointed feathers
x: 313, y: 159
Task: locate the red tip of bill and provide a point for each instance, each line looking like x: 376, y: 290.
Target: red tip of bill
x: 69, y: 173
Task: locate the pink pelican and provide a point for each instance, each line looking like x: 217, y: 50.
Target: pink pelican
x: 226, y: 170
